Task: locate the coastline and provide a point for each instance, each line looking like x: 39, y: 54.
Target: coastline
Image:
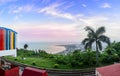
x: 69, y: 48
x: 54, y: 49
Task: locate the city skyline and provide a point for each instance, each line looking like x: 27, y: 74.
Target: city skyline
x: 59, y: 20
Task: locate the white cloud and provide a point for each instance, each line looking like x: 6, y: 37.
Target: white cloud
x: 106, y: 5
x: 6, y: 1
x: 84, y: 5
x: 68, y: 5
x: 45, y: 1
x: 55, y: 11
x: 17, y: 17
x: 26, y: 8
x: 94, y: 20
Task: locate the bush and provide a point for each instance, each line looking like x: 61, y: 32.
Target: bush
x: 16, y: 59
x: 62, y: 59
x: 34, y: 63
x: 89, y: 58
x: 56, y: 65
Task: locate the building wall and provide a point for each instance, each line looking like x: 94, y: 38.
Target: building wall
x: 7, y: 40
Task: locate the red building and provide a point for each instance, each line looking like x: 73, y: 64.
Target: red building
x: 111, y: 70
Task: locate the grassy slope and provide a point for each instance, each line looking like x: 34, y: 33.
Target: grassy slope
x: 39, y: 62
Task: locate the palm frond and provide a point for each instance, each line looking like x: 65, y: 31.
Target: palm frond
x: 89, y: 29
x: 91, y: 35
x: 85, y: 40
x: 99, y: 45
x: 91, y: 42
x: 100, y: 31
x: 105, y: 39
x: 86, y: 46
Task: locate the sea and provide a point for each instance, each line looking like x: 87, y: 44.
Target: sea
x: 50, y: 47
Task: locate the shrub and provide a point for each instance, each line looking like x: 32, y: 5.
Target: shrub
x: 16, y: 59
x: 61, y: 59
x: 56, y: 65
x: 33, y: 63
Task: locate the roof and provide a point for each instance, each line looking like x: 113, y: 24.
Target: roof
x: 111, y: 70
x: 8, y: 29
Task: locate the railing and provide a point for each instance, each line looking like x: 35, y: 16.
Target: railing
x: 58, y: 72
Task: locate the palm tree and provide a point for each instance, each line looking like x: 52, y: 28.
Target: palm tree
x: 25, y: 46
x: 96, y: 37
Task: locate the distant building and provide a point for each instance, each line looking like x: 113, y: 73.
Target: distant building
x: 111, y: 70
x: 7, y: 42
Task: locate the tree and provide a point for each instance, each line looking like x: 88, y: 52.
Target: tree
x: 114, y: 48
x: 96, y: 37
x: 25, y: 46
x: 89, y: 58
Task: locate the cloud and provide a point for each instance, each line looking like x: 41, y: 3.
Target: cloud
x: 6, y: 1
x: 69, y: 5
x: 84, y: 5
x: 55, y: 11
x: 26, y: 8
x: 94, y: 20
x: 17, y: 17
x: 106, y: 5
x: 45, y: 1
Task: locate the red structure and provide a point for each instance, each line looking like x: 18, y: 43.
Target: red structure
x: 13, y: 71
x: 28, y: 71
x: 111, y: 70
x: 2, y: 39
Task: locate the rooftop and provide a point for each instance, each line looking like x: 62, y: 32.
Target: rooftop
x: 111, y: 70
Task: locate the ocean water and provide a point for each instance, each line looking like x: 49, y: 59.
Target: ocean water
x: 50, y: 47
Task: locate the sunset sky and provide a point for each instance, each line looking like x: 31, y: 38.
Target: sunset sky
x: 59, y: 20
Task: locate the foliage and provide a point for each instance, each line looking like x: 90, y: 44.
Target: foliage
x: 115, y: 47
x: 113, y: 52
x: 56, y: 65
x: 89, y: 58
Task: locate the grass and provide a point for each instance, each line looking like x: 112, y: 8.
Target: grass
x: 50, y: 61
x: 39, y: 62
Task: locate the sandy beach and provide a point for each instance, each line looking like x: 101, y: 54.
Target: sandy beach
x: 53, y: 49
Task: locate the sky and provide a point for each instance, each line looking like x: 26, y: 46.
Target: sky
x: 59, y: 20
